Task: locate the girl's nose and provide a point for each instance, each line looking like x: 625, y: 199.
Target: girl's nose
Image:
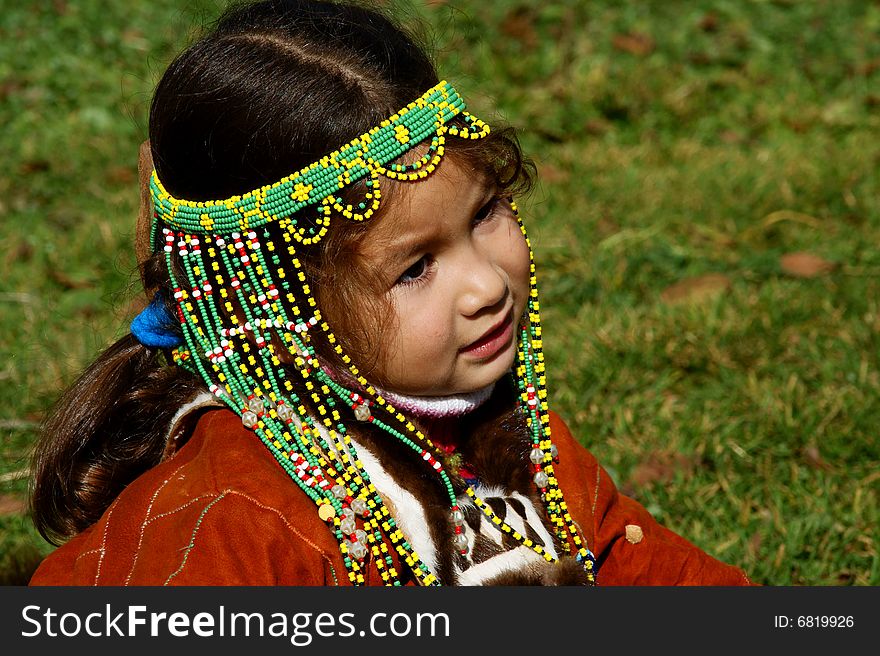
x: 486, y: 285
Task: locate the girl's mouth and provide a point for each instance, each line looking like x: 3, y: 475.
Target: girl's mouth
x: 496, y: 340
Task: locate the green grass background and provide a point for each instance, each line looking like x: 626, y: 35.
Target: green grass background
x: 676, y: 141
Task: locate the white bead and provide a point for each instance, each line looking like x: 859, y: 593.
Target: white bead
x: 255, y: 405
x: 249, y: 419
x: 347, y: 526
x: 541, y: 479
x: 358, y: 550
x: 338, y: 491
x: 362, y: 413
x: 359, y: 506
x: 536, y: 456
x: 284, y: 412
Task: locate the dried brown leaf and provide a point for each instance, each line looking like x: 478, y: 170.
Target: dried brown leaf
x: 869, y: 67
x: 597, y: 126
x: 661, y: 467
x: 634, y: 43
x: 553, y: 174
x: 21, y: 252
x: 754, y: 543
x: 709, y: 22
x: 11, y: 504
x: 121, y: 175
x: 9, y: 87
x: 731, y: 137
x: 696, y: 289
x: 67, y: 282
x: 607, y: 226
x: 519, y: 24
x: 814, y: 458
x: 34, y: 166
x: 805, y: 265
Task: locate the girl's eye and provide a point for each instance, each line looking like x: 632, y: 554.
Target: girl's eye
x: 487, y: 211
x: 416, y: 272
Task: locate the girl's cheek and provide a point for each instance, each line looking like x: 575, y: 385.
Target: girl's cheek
x: 518, y: 260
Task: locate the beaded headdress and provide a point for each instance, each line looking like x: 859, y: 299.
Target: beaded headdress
x: 244, y: 295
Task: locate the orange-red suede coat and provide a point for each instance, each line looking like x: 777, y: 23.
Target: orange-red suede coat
x: 221, y: 512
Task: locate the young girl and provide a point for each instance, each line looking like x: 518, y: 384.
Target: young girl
x: 339, y: 379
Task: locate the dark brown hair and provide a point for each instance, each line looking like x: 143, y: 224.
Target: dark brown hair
x: 272, y: 87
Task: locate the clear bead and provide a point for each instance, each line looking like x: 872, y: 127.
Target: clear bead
x: 358, y: 550
x: 541, y: 479
x: 284, y: 412
x: 457, y: 517
x: 347, y: 513
x: 554, y: 452
x: 255, y: 405
x: 536, y: 456
x: 460, y: 541
x: 338, y: 491
x: 362, y: 413
x: 249, y: 419
x: 347, y: 526
x: 361, y: 536
x: 359, y: 506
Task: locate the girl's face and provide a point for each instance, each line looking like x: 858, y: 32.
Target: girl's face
x: 455, y: 268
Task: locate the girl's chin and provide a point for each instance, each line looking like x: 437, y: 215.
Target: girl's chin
x: 463, y: 389
x: 474, y: 378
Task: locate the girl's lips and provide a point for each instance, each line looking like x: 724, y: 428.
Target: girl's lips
x: 494, y: 341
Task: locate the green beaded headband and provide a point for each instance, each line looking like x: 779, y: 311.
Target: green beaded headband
x: 369, y: 155
x: 244, y: 304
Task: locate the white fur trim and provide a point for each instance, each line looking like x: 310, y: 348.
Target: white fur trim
x: 200, y: 400
x: 515, y: 560
x: 534, y: 520
x: 454, y: 405
x: 409, y: 512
